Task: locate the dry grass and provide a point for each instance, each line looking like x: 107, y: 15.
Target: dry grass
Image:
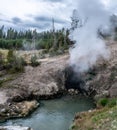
x: 25, y: 54
x: 4, y: 52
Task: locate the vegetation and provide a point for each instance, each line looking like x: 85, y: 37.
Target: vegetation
x: 13, y: 39
x: 104, y: 118
x: 14, y: 63
x: 1, y: 59
x: 103, y: 102
x: 107, y: 102
x: 34, y: 61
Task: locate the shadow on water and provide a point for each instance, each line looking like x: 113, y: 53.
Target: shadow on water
x: 55, y: 114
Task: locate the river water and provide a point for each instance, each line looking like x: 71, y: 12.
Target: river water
x: 55, y: 114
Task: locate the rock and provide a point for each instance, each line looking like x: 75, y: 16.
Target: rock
x: 113, y: 90
x: 103, y: 94
x: 14, y: 128
x: 20, y: 109
x: 3, y: 97
x: 73, y: 92
x: 27, y: 106
x: 18, y: 95
x: 42, y: 81
x: 3, y: 110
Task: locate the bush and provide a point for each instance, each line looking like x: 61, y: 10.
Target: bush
x: 1, y: 58
x: 107, y: 102
x: 1, y: 61
x: 23, y: 62
x: 103, y: 102
x: 18, y: 65
x: 10, y: 56
x: 15, y: 63
x: 34, y: 61
x: 112, y: 102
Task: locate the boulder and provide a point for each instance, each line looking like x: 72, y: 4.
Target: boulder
x: 20, y: 109
x: 113, y: 90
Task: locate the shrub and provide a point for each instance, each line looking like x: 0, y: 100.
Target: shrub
x: 103, y: 102
x: 107, y: 102
x: 34, y: 61
x: 23, y: 62
x: 1, y: 58
x: 112, y: 102
x: 15, y: 63
x: 54, y: 52
x: 10, y: 56
x: 1, y: 61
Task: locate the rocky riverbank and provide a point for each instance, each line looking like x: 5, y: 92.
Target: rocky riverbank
x: 20, y: 95
x: 15, y: 110
x: 104, y: 75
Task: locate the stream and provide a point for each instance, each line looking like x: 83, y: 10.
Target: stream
x: 55, y: 114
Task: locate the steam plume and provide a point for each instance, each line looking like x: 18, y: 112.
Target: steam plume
x: 88, y: 47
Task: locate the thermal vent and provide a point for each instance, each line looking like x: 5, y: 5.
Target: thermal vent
x: 74, y: 80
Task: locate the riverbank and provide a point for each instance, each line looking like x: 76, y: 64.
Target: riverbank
x: 56, y: 114
x: 20, y: 94
x: 17, y: 110
x: 104, y: 118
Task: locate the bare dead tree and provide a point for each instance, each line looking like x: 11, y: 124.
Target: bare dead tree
x: 54, y: 36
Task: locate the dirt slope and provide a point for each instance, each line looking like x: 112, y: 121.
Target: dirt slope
x: 45, y: 80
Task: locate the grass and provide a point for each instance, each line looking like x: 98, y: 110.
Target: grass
x: 99, y: 119
x: 109, y: 102
x: 4, y: 52
x: 34, y: 61
x: 5, y: 80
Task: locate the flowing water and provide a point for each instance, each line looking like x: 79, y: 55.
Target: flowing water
x: 56, y: 114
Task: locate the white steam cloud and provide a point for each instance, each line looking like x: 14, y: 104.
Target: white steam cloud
x: 89, y: 46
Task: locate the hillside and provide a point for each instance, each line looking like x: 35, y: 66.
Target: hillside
x: 104, y: 83
x: 102, y: 119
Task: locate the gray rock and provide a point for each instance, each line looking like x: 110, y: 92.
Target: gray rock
x: 20, y: 109
x: 113, y: 90
x: 3, y: 110
x: 103, y: 94
x: 73, y: 92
